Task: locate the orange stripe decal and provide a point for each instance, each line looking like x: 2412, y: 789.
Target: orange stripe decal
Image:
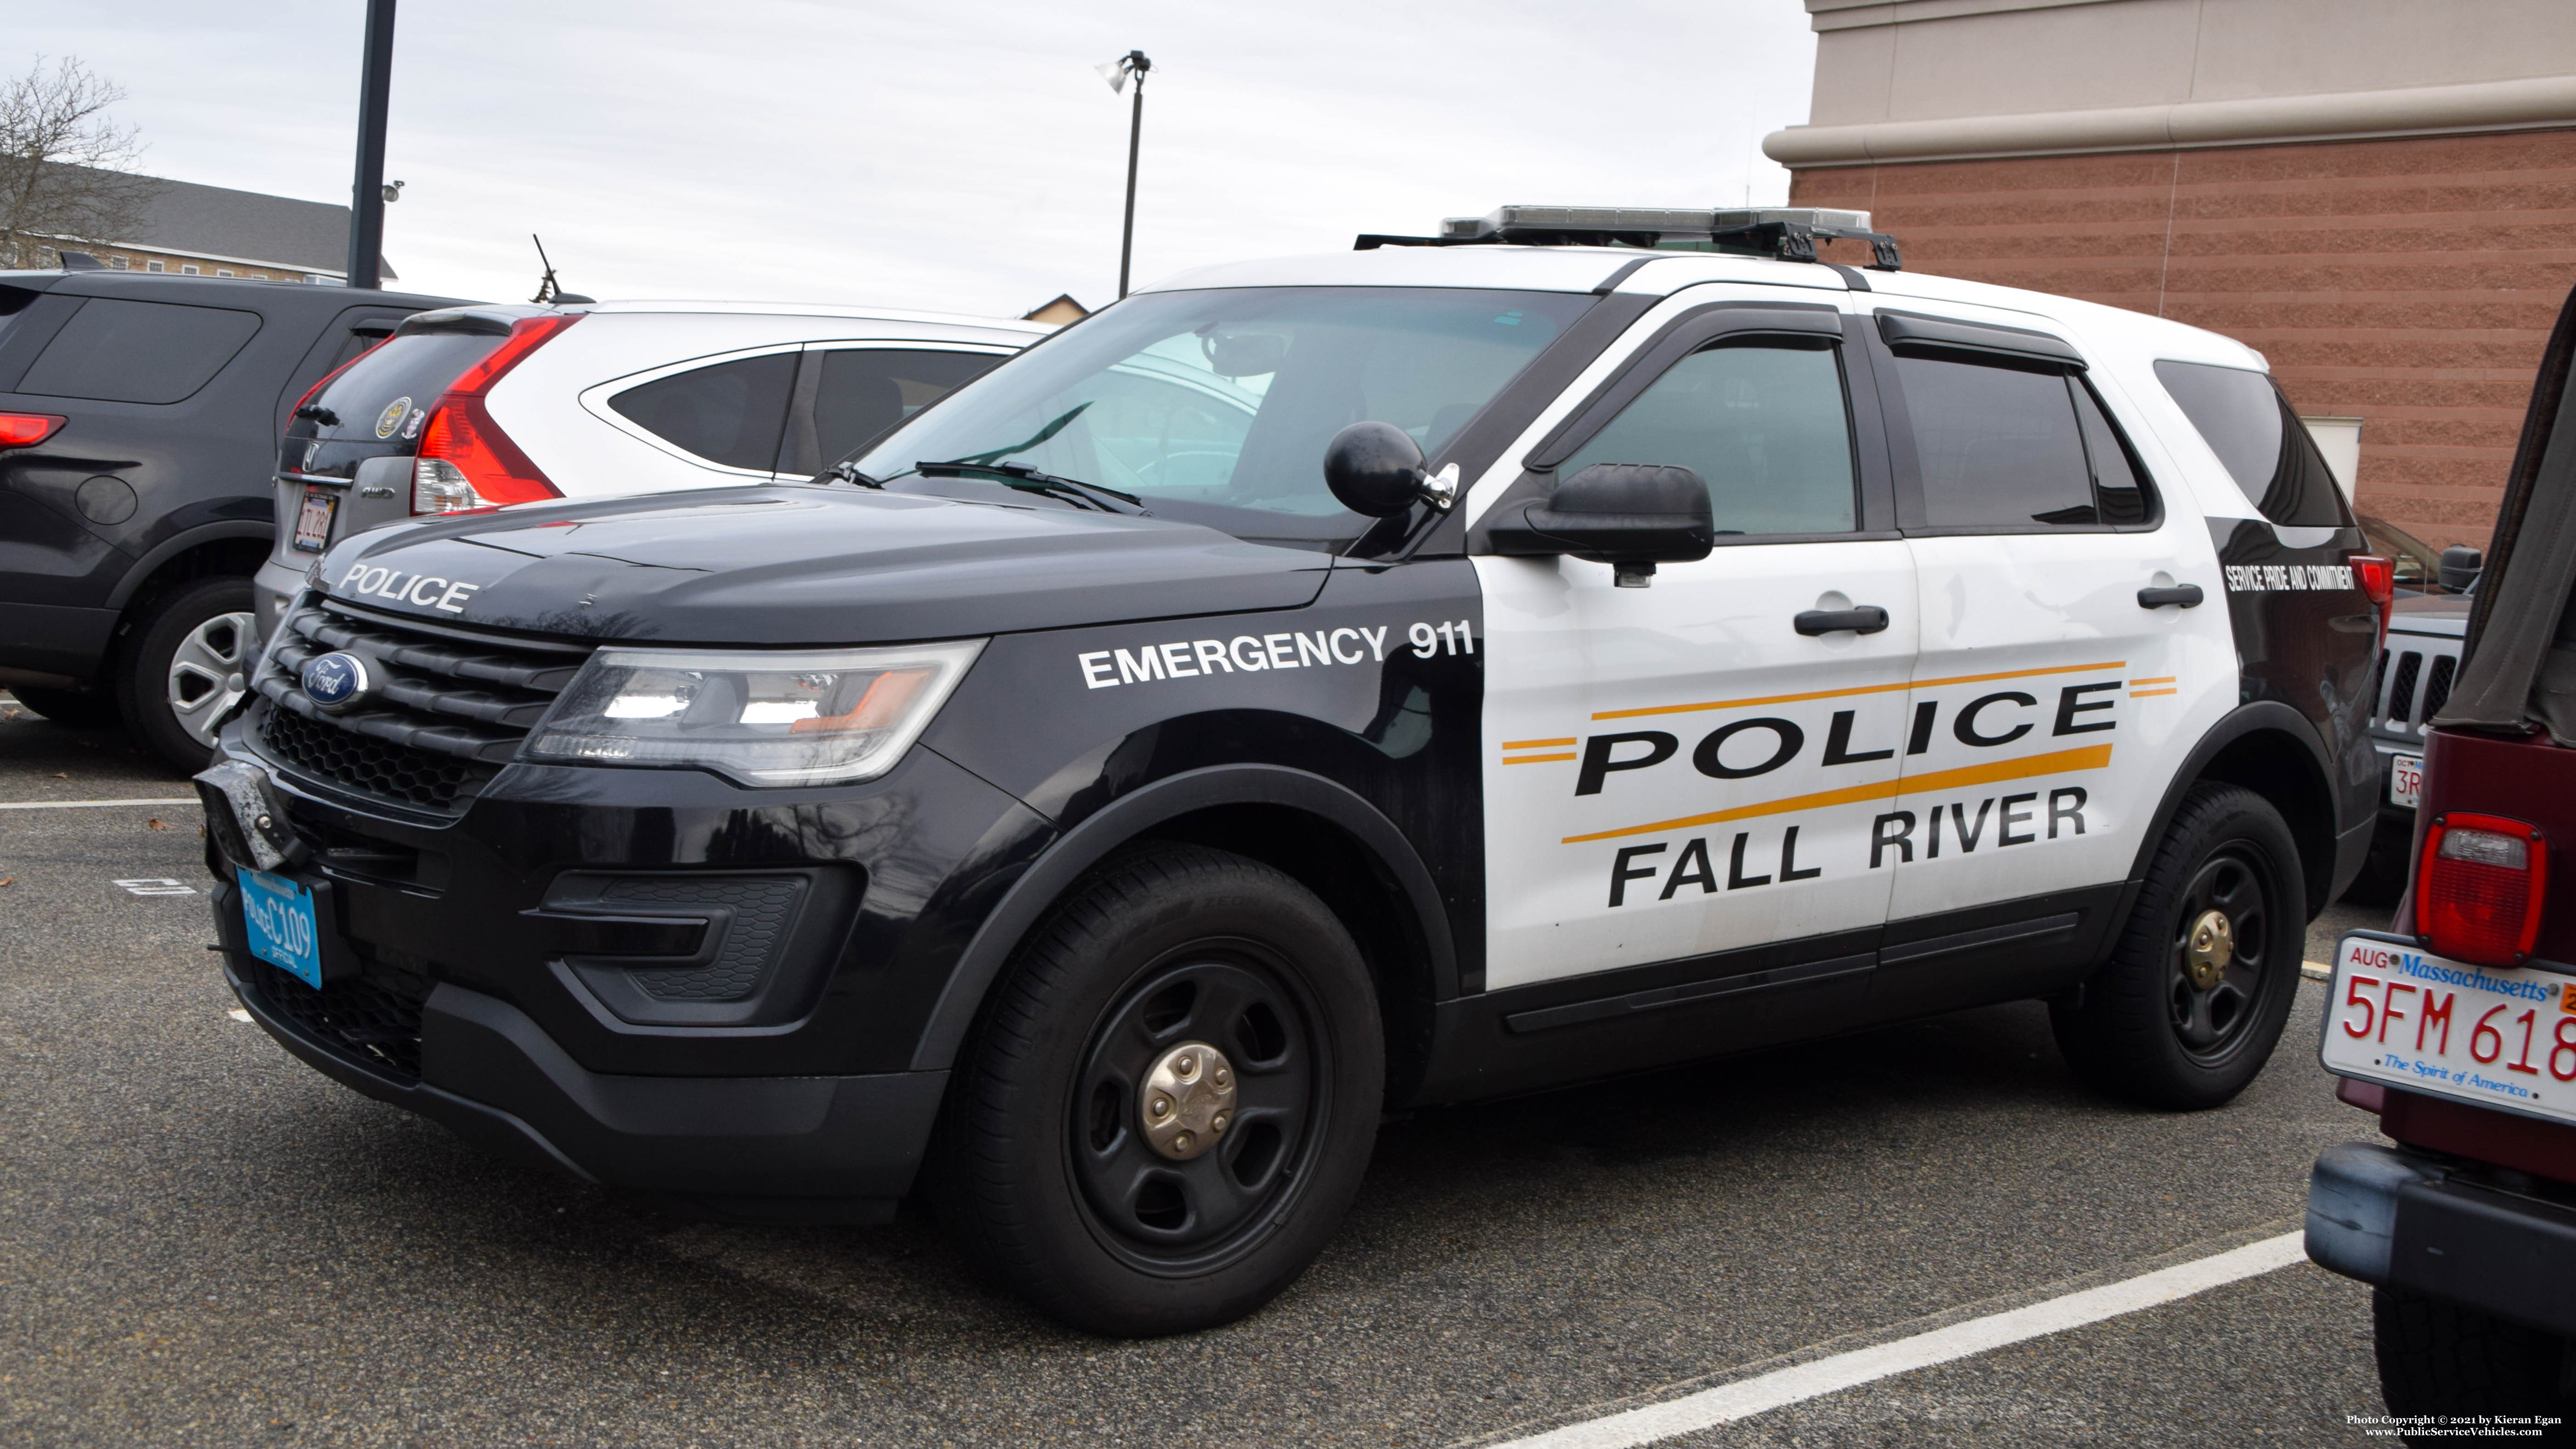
x: 1535, y: 744
x: 2090, y: 757
x: 2166, y: 679
x: 2145, y: 693
x: 1861, y: 689
x: 1537, y: 759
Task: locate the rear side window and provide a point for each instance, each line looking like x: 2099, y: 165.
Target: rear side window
x: 386, y: 393
x: 1765, y: 425
x: 1997, y: 446
x: 730, y: 412
x: 860, y: 393
x: 114, y: 350
x: 2251, y: 428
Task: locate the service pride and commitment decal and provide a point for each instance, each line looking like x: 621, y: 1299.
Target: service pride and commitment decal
x: 1253, y: 653
x: 2286, y: 578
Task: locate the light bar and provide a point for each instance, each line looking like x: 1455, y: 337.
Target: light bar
x: 1678, y: 223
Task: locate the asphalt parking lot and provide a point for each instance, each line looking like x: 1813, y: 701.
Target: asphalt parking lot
x: 204, y: 1242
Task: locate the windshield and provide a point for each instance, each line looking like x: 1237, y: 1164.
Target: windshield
x: 1215, y: 406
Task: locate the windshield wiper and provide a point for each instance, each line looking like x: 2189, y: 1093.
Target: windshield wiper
x: 1049, y: 431
x: 1030, y: 480
x: 846, y: 473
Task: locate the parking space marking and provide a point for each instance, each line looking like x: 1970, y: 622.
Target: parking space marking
x: 1799, y: 1382
x: 156, y: 886
x: 93, y: 804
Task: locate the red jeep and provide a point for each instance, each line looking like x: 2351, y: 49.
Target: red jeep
x: 2458, y: 1025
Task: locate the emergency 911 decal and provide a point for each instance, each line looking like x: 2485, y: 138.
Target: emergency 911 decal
x: 1256, y: 653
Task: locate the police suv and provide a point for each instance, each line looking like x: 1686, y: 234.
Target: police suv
x: 1574, y: 643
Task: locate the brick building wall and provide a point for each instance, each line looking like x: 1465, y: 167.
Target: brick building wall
x: 2409, y: 282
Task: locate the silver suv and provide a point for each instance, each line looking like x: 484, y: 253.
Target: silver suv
x: 479, y: 407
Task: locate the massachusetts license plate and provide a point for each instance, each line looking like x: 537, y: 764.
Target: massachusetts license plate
x: 2499, y: 1036
x: 283, y: 932
x: 2406, y: 781
x: 313, y: 520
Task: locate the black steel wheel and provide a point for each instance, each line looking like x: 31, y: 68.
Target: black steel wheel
x: 2193, y: 998
x: 1178, y: 1210
x: 2215, y: 964
x: 1171, y: 1097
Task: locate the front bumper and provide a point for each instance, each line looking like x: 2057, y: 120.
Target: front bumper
x: 2394, y: 1218
x: 798, y: 1149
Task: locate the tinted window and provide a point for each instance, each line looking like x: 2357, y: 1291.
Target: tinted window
x: 730, y: 413
x: 2119, y: 488
x: 1997, y: 447
x: 412, y: 369
x: 115, y: 350
x: 860, y: 393
x: 2251, y: 428
x: 1764, y: 424
x: 1216, y: 405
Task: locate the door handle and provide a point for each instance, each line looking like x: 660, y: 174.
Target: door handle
x: 1867, y: 619
x: 2187, y: 595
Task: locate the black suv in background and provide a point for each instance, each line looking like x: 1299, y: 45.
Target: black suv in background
x: 139, y: 417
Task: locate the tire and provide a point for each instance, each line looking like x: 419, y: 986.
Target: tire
x: 2442, y: 1358
x: 80, y: 709
x: 2148, y: 1029
x: 186, y: 658
x: 1046, y: 1169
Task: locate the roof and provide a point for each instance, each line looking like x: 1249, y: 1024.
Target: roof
x: 222, y: 224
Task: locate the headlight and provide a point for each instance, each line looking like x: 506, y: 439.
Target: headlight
x: 756, y: 716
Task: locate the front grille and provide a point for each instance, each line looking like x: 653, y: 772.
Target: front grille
x: 2437, y: 685
x: 763, y: 908
x: 357, y: 1019
x: 2414, y: 682
x: 365, y: 764
x: 450, y: 706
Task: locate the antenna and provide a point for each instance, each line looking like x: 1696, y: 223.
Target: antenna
x: 547, y: 291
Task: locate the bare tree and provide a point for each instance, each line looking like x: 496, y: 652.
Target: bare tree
x: 62, y: 160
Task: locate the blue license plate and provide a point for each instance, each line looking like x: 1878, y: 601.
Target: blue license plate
x: 279, y: 913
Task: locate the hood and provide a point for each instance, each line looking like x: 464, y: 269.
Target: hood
x: 799, y: 564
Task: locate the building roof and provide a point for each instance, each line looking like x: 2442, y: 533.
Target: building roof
x: 221, y: 224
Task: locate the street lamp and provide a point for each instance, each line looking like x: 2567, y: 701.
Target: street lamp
x: 1116, y: 72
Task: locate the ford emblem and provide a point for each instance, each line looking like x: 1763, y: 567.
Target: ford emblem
x: 337, y: 680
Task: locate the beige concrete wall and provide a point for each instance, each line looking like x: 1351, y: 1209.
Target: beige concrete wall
x: 1939, y: 59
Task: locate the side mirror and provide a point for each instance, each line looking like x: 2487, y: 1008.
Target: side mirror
x: 2461, y: 565
x: 1630, y: 516
x: 1375, y: 469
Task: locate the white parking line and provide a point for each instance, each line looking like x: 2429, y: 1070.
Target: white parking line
x: 1799, y: 1382
x: 89, y: 804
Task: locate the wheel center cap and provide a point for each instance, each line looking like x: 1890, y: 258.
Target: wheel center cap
x: 2211, y: 947
x: 1187, y: 1101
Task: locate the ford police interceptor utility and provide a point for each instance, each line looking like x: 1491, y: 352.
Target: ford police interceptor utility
x: 1561, y: 647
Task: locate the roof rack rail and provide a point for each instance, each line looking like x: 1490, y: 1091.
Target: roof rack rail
x: 1789, y: 233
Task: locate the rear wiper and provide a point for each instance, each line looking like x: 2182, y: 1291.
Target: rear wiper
x: 1030, y: 480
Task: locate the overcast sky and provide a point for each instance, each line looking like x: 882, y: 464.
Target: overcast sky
x: 960, y: 156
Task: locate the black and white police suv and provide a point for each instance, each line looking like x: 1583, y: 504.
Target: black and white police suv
x: 1314, y: 687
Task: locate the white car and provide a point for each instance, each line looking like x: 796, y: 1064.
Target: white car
x: 483, y: 406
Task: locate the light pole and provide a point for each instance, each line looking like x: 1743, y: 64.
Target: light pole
x: 367, y: 194
x: 1116, y: 72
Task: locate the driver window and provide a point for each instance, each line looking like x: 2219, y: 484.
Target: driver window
x: 1765, y: 423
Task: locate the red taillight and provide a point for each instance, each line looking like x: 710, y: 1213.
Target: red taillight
x: 2377, y: 575
x: 2479, y: 889
x: 26, y: 430
x: 466, y: 463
